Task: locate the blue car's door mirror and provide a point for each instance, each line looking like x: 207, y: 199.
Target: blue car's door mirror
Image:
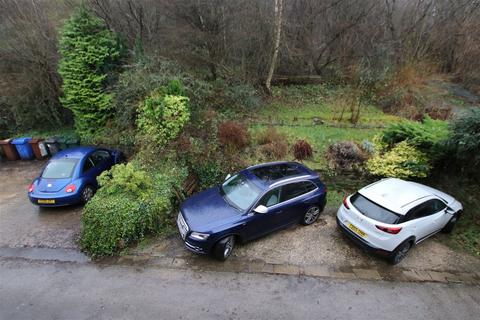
x: 228, y: 177
x: 261, y: 209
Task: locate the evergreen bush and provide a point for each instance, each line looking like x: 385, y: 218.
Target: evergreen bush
x: 89, y: 53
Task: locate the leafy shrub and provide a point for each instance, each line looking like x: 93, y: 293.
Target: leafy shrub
x: 125, y: 178
x: 302, y: 150
x: 403, y: 92
x: 427, y: 136
x: 144, y: 77
x: 464, y: 141
x: 130, y: 204
x: 175, y: 87
x: 162, y: 117
x: 273, y: 151
x: 88, y: 53
x: 233, y: 95
x: 272, y: 144
x: 243, y: 95
x: 438, y: 113
x: 345, y: 155
x: 269, y: 135
x: 112, y: 222
x: 233, y: 135
x: 209, y: 174
x: 402, y: 161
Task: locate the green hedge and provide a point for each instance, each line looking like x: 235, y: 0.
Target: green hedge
x: 131, y: 203
x: 112, y: 222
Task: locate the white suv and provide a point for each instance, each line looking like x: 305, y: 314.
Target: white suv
x: 389, y: 216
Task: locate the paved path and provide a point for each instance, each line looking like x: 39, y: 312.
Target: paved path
x: 24, y: 225
x: 54, y: 290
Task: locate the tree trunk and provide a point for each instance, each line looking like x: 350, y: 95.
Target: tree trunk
x: 276, y: 46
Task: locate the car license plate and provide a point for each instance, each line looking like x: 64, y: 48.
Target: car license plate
x: 46, y: 201
x: 356, y: 230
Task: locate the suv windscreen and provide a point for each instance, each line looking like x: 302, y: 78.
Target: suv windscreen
x: 372, y: 210
x: 59, y: 169
x: 240, y: 192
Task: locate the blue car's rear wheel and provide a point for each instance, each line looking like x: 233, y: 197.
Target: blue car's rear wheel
x: 311, y: 215
x: 224, y: 248
x: 87, y: 194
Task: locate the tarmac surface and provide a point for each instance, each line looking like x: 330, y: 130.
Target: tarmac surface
x: 54, y: 290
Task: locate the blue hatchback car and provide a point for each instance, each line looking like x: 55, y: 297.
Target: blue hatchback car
x: 70, y: 177
x: 252, y: 203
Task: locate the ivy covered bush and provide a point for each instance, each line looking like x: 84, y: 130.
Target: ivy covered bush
x: 131, y: 203
x: 89, y: 55
x: 402, y: 161
x: 162, y: 116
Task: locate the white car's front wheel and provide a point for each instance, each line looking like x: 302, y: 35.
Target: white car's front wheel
x: 451, y: 224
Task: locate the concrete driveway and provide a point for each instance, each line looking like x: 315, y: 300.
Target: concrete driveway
x: 29, y: 231
x: 24, y: 225
x: 324, y: 250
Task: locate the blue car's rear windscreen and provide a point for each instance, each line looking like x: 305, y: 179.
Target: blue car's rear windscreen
x: 59, y: 169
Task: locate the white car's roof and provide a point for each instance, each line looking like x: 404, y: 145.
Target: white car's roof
x: 399, y: 195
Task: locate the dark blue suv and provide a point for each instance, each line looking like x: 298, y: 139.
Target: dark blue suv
x: 252, y: 203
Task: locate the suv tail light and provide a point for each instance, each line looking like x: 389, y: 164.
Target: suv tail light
x: 345, y: 203
x: 391, y: 230
x: 31, y: 188
x: 70, y: 188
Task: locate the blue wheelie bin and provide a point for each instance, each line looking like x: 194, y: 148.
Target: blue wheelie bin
x: 24, y: 148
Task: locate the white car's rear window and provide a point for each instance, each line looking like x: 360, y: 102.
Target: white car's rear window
x: 372, y: 210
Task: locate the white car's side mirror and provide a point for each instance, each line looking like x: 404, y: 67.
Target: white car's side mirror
x: 228, y: 177
x: 261, y: 209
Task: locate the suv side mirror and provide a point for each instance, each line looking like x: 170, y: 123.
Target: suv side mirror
x: 261, y: 209
x: 449, y: 210
x: 228, y: 177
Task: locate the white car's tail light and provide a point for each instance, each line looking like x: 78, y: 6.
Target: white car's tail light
x: 345, y: 203
x: 391, y: 230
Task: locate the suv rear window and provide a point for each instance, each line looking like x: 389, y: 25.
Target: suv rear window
x: 372, y: 210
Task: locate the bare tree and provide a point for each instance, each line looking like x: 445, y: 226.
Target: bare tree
x: 278, y: 9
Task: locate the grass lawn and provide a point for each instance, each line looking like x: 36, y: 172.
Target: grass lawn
x: 312, y: 113
x: 300, y: 105
x: 320, y: 137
